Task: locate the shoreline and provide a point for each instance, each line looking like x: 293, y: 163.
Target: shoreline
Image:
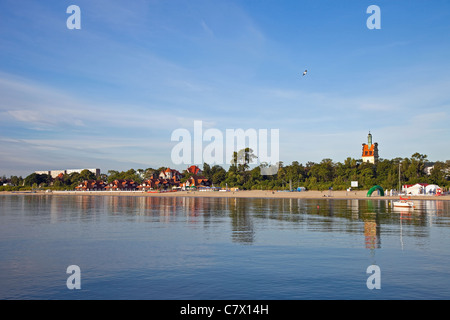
x: 311, y: 194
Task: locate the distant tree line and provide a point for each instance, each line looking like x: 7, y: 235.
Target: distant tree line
x: 328, y: 174
x: 313, y: 176
x: 35, y: 181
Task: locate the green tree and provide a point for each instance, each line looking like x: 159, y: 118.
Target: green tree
x: 324, y: 171
x: 87, y: 175
x: 207, y: 173
x: 150, y: 173
x: 438, y: 174
x: 37, y: 179
x: 130, y: 174
x: 218, y: 175
x: 367, y: 175
x: 16, y: 181
x: 242, y: 158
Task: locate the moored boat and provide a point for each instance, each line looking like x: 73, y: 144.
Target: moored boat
x: 403, y: 203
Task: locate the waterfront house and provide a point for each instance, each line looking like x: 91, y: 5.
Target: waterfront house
x: 170, y: 174
x: 159, y: 183
x: 149, y: 184
x: 194, y: 170
x: 122, y: 185
x: 91, y: 185
x: 196, y: 182
x: 414, y: 190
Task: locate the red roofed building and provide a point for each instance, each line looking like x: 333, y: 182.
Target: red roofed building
x: 159, y: 183
x: 194, y: 170
x: 91, y: 185
x: 370, y: 150
x: 196, y: 181
x: 170, y: 174
x: 122, y: 185
x: 414, y: 189
x: 149, y: 184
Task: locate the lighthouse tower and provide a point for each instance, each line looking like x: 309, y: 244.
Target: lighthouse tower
x: 370, y: 150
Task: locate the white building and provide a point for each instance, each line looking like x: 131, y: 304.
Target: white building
x: 432, y: 189
x: 170, y: 174
x: 94, y: 171
x: 55, y: 173
x: 370, y: 151
x: 414, y: 190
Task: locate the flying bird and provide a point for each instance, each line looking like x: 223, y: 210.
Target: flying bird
x: 304, y: 72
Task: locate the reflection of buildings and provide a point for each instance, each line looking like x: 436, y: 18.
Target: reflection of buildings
x: 353, y: 204
x: 371, y: 225
x: 371, y: 234
x: 240, y: 218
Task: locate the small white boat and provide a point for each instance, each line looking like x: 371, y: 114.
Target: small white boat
x: 403, y: 203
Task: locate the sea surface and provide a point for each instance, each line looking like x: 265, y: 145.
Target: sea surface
x: 173, y: 248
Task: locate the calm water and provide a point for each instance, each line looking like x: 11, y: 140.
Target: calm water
x: 219, y: 248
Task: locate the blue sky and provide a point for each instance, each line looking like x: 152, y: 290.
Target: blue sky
x: 110, y: 95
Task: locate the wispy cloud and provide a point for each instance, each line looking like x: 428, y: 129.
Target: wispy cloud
x: 42, y: 107
x: 136, y: 71
x: 206, y: 28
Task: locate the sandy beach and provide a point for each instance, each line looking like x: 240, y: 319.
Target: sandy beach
x: 312, y: 194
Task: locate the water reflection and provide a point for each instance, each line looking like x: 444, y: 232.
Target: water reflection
x: 245, y: 217
x: 163, y: 246
x: 372, y: 234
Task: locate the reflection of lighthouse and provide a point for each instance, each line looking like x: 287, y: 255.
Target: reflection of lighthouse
x: 371, y: 234
x: 370, y: 150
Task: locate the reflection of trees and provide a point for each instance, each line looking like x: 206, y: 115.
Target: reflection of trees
x: 241, y: 220
x: 363, y: 217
